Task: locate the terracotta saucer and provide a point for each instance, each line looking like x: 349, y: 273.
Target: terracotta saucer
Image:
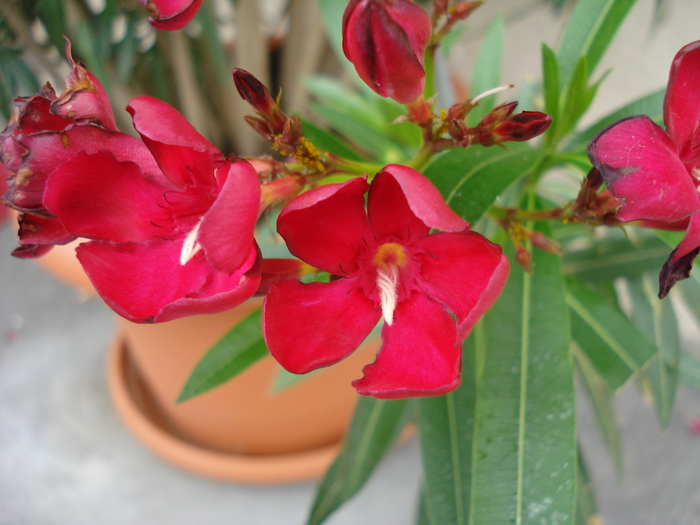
x: 138, y: 411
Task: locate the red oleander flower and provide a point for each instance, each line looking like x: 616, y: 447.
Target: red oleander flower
x: 169, y: 15
x: 170, y: 238
x: 430, y: 288
x: 655, y: 172
x: 46, y: 130
x: 386, y: 40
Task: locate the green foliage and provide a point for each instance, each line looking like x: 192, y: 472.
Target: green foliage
x: 375, y: 428
x: 471, y: 180
x: 487, y: 71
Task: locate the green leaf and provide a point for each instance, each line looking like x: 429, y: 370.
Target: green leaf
x: 242, y: 346
x: 586, y: 509
x: 657, y: 319
x: 328, y: 141
x: 650, y: 105
x: 332, y: 14
x: 689, y: 371
x: 614, y: 345
x: 471, y: 180
x: 422, y: 517
x: 550, y: 74
x: 375, y: 428
x: 524, y: 462
x: 601, y: 398
x: 588, y: 34
x: 576, y: 98
x: 487, y: 71
x: 446, y: 426
x: 609, y: 259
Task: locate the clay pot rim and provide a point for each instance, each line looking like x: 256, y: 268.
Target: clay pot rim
x: 251, y: 469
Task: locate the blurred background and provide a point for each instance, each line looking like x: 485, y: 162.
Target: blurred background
x: 65, y: 457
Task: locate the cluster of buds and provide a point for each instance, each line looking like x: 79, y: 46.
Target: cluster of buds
x: 283, y: 132
x: 497, y: 127
x: 520, y: 235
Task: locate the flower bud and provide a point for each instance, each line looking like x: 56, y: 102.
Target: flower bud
x: 386, y: 41
x: 256, y: 94
x: 500, y: 125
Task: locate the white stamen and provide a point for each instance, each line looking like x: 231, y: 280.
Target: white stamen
x: 386, y: 282
x: 190, y: 247
x: 491, y: 92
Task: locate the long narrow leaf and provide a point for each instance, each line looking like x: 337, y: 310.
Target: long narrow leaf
x: 524, y: 463
x: 614, y: 345
x: 586, y: 508
x: 472, y: 179
x: 601, y: 398
x: 242, y: 346
x: 374, y: 429
x: 657, y: 320
x: 588, y: 34
x: 446, y: 427
x: 487, y: 71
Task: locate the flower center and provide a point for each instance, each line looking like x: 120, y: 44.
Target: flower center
x: 190, y: 247
x: 390, y: 257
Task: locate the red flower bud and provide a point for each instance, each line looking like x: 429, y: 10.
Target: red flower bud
x: 386, y: 40
x: 256, y: 94
x: 500, y: 125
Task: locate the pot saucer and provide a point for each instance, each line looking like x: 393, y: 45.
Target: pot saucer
x: 139, y: 413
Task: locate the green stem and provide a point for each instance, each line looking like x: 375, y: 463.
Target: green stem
x: 354, y: 167
x: 422, y: 158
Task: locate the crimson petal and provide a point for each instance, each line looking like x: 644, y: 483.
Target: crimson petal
x: 402, y: 202
x: 641, y: 167
x: 145, y: 282
x: 326, y: 226
x: 227, y: 229
x: 308, y: 326
x: 464, y: 271
x: 170, y: 15
x: 420, y: 355
x: 183, y: 154
x: 682, y: 101
x: 97, y: 197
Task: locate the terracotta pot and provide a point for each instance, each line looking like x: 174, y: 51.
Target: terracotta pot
x: 241, y: 430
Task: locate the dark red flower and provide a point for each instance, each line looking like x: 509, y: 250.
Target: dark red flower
x: 386, y: 40
x: 655, y: 172
x: 46, y: 130
x: 170, y: 237
x: 170, y: 15
x: 430, y: 288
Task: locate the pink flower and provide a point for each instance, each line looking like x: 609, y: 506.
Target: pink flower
x: 172, y: 236
x: 656, y: 171
x: 169, y: 15
x: 386, y: 40
x: 430, y: 288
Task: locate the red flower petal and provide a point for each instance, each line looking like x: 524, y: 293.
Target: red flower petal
x: 403, y: 203
x: 183, y: 154
x: 682, y: 102
x: 48, y: 151
x: 641, y: 167
x: 170, y: 15
x: 84, y: 100
x: 420, y: 355
x: 145, y: 282
x: 326, y: 226
x: 227, y: 229
x: 308, y: 326
x: 464, y: 271
x: 35, y: 230
x: 97, y: 197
